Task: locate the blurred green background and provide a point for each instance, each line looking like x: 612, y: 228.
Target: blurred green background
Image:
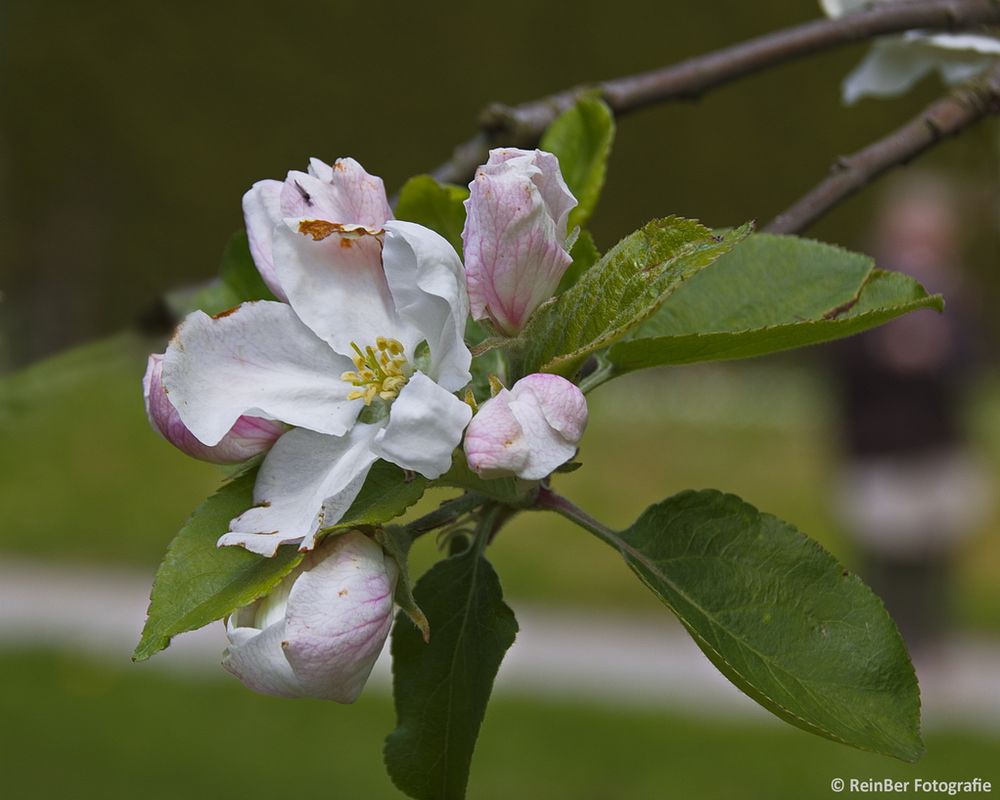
x: 131, y: 131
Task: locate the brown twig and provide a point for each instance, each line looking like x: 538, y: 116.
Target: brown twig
x: 523, y: 125
x: 942, y: 119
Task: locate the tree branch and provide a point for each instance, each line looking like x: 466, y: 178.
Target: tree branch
x: 942, y: 119
x: 523, y: 125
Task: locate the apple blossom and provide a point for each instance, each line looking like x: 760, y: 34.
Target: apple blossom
x: 515, y: 235
x: 528, y: 430
x: 320, y: 631
x: 248, y: 437
x: 374, y: 323
x: 895, y: 63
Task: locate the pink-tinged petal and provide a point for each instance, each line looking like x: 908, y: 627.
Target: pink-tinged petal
x: 427, y: 283
x: 494, y: 443
x: 337, y: 286
x: 529, y: 431
x: 306, y: 483
x: 425, y: 426
x: 258, y: 360
x: 339, y: 614
x: 515, y: 236
x: 561, y: 402
x: 257, y: 658
x: 248, y: 437
x: 343, y: 193
x: 261, y: 212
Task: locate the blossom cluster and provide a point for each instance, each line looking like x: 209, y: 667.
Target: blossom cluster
x: 362, y: 356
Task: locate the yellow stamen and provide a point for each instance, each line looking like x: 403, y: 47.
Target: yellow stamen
x: 382, y: 371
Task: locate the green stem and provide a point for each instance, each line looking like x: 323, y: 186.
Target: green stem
x: 550, y: 501
x: 446, y: 514
x: 604, y: 373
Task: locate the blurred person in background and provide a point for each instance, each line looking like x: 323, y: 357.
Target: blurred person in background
x: 911, y: 491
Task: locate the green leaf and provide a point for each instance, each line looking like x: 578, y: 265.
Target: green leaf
x: 238, y: 282
x: 584, y: 255
x: 619, y: 292
x: 198, y: 583
x: 438, y: 206
x: 581, y: 139
x: 441, y: 689
x: 780, y: 618
x: 771, y: 293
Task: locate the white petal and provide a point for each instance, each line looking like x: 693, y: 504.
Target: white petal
x: 258, y: 360
x: 547, y: 448
x: 249, y: 437
x: 425, y: 426
x: 306, y: 483
x: 261, y: 212
x: 837, y: 8
x: 256, y: 657
x: 337, y: 287
x: 339, y: 614
x: 890, y: 68
x: 427, y: 283
x: 968, y: 42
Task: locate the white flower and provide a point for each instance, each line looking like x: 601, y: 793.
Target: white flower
x: 374, y: 323
x: 895, y: 63
x: 320, y: 632
x: 527, y: 431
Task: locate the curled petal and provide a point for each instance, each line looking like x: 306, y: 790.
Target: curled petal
x: 527, y: 431
x: 425, y: 426
x: 427, y: 283
x: 261, y: 212
x: 339, y: 614
x: 305, y: 484
x: 248, y: 437
x: 321, y: 631
x: 258, y: 360
x: 515, y: 235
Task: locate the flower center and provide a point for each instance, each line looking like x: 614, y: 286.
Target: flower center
x: 382, y: 371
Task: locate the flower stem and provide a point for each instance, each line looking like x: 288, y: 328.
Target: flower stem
x: 446, y: 514
x: 550, y: 501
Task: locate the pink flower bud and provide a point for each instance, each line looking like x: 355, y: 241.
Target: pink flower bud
x: 247, y: 438
x: 515, y: 235
x: 320, y: 632
x: 527, y: 431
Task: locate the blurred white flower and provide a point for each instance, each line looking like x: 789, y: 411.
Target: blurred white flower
x: 896, y: 63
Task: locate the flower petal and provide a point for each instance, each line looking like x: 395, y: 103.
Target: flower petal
x: 339, y: 614
x: 305, y: 484
x: 248, y: 437
x: 258, y: 360
x: 337, y: 287
x: 261, y: 212
x: 257, y: 658
x: 427, y: 282
x: 890, y: 68
x: 343, y: 193
x: 425, y: 426
x: 495, y: 446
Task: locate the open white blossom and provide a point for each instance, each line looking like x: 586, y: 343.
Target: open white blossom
x: 362, y: 360
x: 896, y: 63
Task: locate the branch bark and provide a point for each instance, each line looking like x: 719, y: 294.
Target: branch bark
x: 944, y: 118
x: 524, y: 124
